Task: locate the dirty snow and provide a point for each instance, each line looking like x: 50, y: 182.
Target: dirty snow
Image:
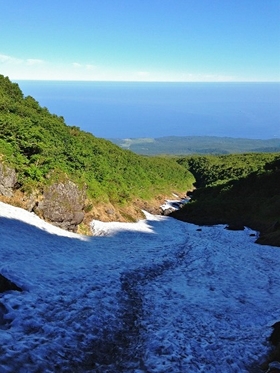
x: 174, y: 204
x: 155, y: 296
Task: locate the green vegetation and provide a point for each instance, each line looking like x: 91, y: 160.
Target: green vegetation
x: 42, y: 148
x: 186, y: 145
x: 214, y: 170
x: 238, y: 190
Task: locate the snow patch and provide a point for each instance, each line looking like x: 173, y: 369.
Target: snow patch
x: 153, y: 296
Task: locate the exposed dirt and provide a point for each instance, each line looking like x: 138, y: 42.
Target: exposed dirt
x: 131, y: 212
x: 105, y: 212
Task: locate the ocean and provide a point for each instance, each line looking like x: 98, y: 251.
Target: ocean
x: 133, y: 109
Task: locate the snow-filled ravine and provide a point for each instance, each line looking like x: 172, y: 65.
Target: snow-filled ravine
x: 155, y: 296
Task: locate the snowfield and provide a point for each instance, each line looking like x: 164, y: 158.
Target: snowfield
x: 157, y: 296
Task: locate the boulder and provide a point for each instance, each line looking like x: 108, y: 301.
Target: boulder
x: 63, y: 205
x: 168, y: 211
x: 8, y: 180
x: 7, y: 285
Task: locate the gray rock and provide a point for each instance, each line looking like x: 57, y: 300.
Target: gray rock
x: 167, y: 211
x: 30, y: 202
x: 63, y: 205
x: 8, y: 179
x: 110, y: 211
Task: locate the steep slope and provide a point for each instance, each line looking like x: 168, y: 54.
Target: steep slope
x: 43, y: 149
x: 237, y: 190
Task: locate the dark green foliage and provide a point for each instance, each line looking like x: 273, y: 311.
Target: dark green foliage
x: 250, y: 196
x: 42, y: 147
x: 274, y: 165
x: 214, y: 170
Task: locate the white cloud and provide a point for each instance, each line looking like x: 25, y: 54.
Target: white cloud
x: 34, y: 61
x: 87, y: 66
x: 36, y: 68
x: 10, y: 60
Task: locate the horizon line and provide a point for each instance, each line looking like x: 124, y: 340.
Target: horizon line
x: 146, y: 81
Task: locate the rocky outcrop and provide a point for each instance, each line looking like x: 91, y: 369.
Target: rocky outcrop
x: 7, y: 285
x: 167, y: 212
x: 8, y: 180
x: 63, y: 205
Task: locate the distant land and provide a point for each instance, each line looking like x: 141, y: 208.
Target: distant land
x: 177, y: 145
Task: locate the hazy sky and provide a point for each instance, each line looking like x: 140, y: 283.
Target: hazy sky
x: 149, y: 40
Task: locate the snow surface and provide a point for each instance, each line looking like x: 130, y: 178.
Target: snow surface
x: 155, y: 296
x: 174, y: 204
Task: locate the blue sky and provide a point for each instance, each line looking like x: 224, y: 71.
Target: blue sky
x: 141, y: 40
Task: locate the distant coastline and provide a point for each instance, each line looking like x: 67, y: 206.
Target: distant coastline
x: 203, y: 145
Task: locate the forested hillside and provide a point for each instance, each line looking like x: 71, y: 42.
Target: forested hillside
x: 237, y: 190
x: 213, y: 170
x: 43, y: 149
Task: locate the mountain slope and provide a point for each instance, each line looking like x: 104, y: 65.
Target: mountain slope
x: 237, y: 190
x: 158, y: 295
x: 43, y: 149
